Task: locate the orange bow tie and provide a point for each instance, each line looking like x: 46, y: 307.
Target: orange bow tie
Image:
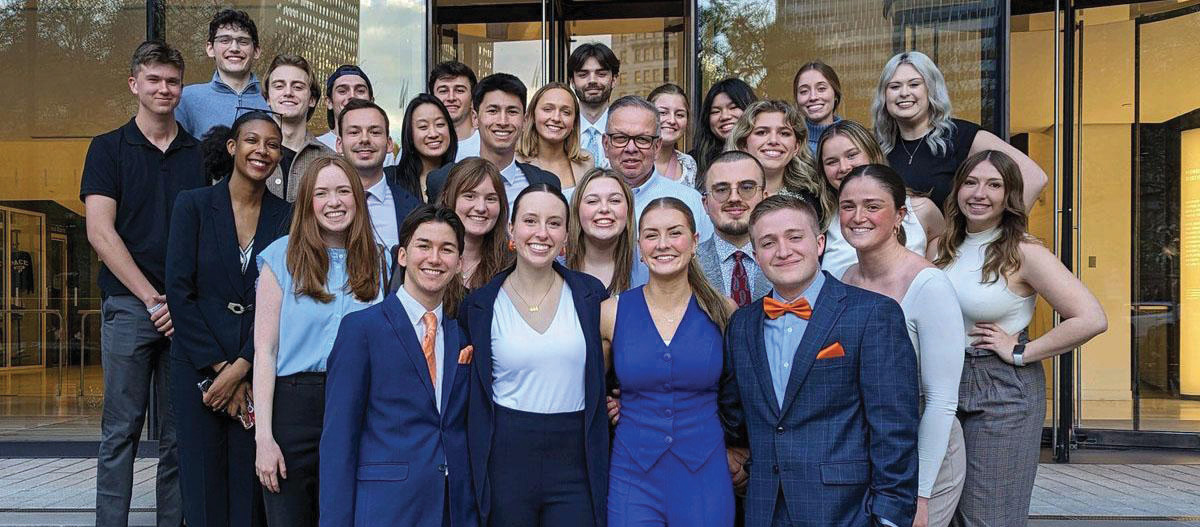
x: 775, y: 309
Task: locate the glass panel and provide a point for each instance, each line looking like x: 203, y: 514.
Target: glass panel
x: 386, y: 39
x: 26, y: 290
x: 651, y: 50
x: 509, y: 47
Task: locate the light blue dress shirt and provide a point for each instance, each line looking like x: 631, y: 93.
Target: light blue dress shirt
x: 591, y: 138
x: 416, y: 313
x: 382, y: 208
x: 203, y: 106
x: 514, y: 182
x: 307, y: 327
x: 783, y: 335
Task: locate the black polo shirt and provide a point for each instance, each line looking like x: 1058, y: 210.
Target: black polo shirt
x: 127, y: 167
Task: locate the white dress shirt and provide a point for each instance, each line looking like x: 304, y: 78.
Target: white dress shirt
x: 415, y: 313
x: 382, y: 208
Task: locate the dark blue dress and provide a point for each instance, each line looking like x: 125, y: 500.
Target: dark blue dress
x: 668, y: 459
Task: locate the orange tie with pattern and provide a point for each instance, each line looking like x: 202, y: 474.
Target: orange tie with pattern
x: 775, y: 309
x: 429, y: 344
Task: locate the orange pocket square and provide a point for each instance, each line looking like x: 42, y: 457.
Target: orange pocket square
x: 831, y: 351
x: 465, y: 356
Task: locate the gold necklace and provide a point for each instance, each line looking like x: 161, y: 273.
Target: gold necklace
x: 532, y: 307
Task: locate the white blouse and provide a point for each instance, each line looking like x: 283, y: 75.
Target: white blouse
x: 986, y: 302
x: 538, y: 372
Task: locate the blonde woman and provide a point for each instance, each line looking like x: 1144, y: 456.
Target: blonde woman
x: 551, y: 137
x: 600, y: 237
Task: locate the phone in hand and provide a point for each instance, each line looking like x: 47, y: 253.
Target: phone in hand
x: 204, y: 385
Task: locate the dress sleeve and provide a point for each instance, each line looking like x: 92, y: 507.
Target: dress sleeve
x: 275, y: 257
x: 940, y: 337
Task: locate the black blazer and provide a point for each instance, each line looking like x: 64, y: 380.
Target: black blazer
x: 475, y: 315
x: 535, y: 175
x: 205, y: 283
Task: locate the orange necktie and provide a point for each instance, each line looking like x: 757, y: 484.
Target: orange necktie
x: 429, y: 344
x: 775, y: 309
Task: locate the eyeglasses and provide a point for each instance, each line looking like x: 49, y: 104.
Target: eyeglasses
x: 226, y: 40
x: 641, y: 141
x: 721, y: 191
x: 242, y: 110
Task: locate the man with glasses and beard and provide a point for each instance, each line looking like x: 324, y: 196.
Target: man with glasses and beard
x: 593, y: 68
x: 733, y: 185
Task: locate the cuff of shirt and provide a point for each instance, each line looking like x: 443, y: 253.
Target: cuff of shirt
x: 885, y: 521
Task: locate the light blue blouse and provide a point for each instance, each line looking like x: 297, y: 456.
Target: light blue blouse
x: 307, y: 327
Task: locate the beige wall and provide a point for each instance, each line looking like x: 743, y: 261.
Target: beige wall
x: 47, y: 169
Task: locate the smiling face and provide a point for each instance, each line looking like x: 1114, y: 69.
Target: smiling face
x: 479, y: 208
x: 788, y: 248
x: 633, y: 162
x: 289, y: 93
x: 981, y: 197
x: 839, y: 155
x: 672, y: 117
x: 554, y: 115
x: 455, y: 94
x: 431, y: 259
x: 430, y: 131
x: 666, y: 241
x: 333, y: 201
x: 364, y: 140
x: 772, y: 141
x: 906, y: 95
x: 603, y: 211
x: 868, y: 214
x: 345, y: 88
x: 256, y: 150
x: 723, y: 115
x: 539, y: 229
x: 233, y: 49
x: 501, y: 117
x: 731, y: 217
x: 815, y: 97
x: 157, y: 87
x: 593, y: 83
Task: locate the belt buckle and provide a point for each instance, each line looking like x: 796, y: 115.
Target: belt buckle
x: 236, y: 308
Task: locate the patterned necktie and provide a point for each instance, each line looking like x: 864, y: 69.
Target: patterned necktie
x: 593, y: 145
x: 428, y: 345
x: 739, y: 284
x: 775, y: 309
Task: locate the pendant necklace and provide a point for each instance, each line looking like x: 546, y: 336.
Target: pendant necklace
x: 914, y: 152
x: 534, y: 308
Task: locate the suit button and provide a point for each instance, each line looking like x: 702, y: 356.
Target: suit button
x: 669, y: 440
x: 442, y: 469
x: 667, y: 357
x: 779, y: 430
x: 775, y: 469
x: 668, y: 412
x: 667, y: 386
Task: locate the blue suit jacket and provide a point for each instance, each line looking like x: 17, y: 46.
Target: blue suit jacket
x: 385, y: 448
x: 476, y: 314
x: 204, y: 274
x: 844, y: 446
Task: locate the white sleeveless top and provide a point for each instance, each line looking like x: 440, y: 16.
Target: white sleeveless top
x: 538, y: 372
x: 986, y: 302
x: 840, y: 255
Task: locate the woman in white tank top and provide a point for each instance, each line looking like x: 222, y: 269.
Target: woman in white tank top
x: 844, y: 146
x: 871, y: 212
x: 998, y: 270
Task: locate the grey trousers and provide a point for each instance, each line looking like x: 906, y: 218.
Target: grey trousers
x: 1002, y: 409
x: 132, y: 352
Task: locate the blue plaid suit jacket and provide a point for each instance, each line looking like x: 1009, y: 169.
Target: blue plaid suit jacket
x: 843, y: 449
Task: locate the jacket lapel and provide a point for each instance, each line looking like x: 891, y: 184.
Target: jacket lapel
x: 758, y: 357
x: 271, y: 225
x: 450, y: 348
x: 481, y: 329
x: 826, y: 313
x: 224, y: 230
x: 585, y: 308
x: 409, y: 345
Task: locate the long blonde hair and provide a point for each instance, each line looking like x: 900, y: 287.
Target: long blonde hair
x: 1003, y: 255
x: 711, y: 302
x: 623, y: 252
x: 800, y: 174
x: 527, y: 147
x: 307, y: 254
x: 857, y: 134
x: 941, y: 136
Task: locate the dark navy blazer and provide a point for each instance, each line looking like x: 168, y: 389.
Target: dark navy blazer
x: 204, y: 274
x: 476, y: 314
x: 386, y: 451
x: 437, y: 179
x: 844, y: 446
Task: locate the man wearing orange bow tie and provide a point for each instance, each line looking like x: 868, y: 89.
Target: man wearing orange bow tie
x: 394, y: 446
x: 821, y: 383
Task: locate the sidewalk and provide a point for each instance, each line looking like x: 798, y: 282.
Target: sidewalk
x: 61, y: 492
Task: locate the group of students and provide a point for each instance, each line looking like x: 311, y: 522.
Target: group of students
x: 561, y: 318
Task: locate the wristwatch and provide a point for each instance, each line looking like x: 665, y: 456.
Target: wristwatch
x: 1018, y: 355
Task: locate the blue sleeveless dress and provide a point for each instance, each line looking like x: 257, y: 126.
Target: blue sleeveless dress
x: 668, y: 459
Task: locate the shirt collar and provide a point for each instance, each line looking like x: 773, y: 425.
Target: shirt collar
x: 134, y: 136
x: 725, y: 249
x: 600, y: 125
x: 251, y: 87
x: 414, y: 309
x: 652, y: 181
x: 379, y: 191
x: 511, y: 171
x: 810, y: 293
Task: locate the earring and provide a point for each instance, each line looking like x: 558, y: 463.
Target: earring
x: 563, y: 252
x: 512, y: 246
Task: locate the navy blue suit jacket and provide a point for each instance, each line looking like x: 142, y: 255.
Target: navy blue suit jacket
x: 204, y: 274
x: 386, y: 451
x: 437, y: 179
x: 844, y: 446
x: 476, y: 314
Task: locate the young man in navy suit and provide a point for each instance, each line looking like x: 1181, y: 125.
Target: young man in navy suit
x: 821, y: 384
x: 394, y: 446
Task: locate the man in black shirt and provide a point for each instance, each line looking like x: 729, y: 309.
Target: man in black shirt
x: 130, y: 179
